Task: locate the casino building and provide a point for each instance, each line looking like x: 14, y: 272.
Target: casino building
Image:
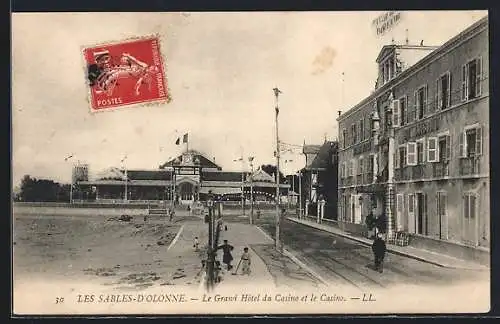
x: 417, y: 150
x: 186, y: 179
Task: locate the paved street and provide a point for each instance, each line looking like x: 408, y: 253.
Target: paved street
x: 342, y: 261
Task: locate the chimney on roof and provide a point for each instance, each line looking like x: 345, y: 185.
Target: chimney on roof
x: 422, y: 42
x: 340, y: 112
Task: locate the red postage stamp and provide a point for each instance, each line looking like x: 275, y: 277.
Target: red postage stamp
x: 125, y: 73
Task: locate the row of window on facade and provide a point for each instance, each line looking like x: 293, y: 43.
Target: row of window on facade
x: 439, y: 148
x: 412, y: 214
x: 436, y: 149
x: 472, y: 75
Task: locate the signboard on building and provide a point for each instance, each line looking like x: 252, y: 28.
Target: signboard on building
x: 362, y: 148
x: 386, y: 21
x: 421, y: 129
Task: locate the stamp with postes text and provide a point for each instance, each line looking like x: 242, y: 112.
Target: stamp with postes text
x: 125, y: 73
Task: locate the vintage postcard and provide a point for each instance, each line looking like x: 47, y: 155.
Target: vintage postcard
x: 250, y: 163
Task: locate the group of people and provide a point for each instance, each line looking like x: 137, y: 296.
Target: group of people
x: 227, y: 258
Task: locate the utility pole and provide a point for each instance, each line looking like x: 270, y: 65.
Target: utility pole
x: 250, y: 159
x: 279, y: 246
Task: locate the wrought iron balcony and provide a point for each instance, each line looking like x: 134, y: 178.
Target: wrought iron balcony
x: 348, y: 181
x: 402, y: 174
x: 368, y: 178
x: 440, y: 169
x: 469, y: 166
x: 417, y: 172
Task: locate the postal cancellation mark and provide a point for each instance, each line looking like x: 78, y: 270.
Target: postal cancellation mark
x: 125, y: 73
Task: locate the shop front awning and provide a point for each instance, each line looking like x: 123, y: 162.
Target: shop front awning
x: 220, y: 191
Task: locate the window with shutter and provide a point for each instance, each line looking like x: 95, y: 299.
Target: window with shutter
x: 462, y: 145
x: 427, y: 107
x: 362, y: 129
x: 353, y: 167
x: 360, y: 166
x: 439, y: 102
x: 411, y: 154
x: 479, y: 141
x: 479, y: 71
x: 432, y: 149
x: 448, y: 148
x: 465, y: 83
x: 415, y: 107
x: 448, y: 93
x: 420, y: 151
x: 396, y: 159
x: 396, y: 115
x: 403, y: 111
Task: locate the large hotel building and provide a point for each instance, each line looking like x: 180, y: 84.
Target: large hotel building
x: 417, y: 149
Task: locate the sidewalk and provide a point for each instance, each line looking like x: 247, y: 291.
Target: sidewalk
x: 440, y: 260
x: 240, y: 236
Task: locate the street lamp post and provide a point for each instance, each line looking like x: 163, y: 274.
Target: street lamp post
x: 125, y: 196
x: 172, y: 189
x: 300, y: 194
x: 72, y: 179
x: 279, y: 246
x: 211, y: 243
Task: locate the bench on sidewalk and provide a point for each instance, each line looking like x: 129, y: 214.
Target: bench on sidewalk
x: 157, y: 211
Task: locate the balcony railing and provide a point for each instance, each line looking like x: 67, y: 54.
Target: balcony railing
x: 417, y: 172
x: 440, y: 169
x: 368, y: 178
x: 469, y: 166
x: 402, y: 174
x: 348, y: 181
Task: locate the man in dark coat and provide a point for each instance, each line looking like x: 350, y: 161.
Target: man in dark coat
x: 379, y: 248
x: 227, y: 257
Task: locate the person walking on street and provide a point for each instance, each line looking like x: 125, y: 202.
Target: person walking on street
x: 172, y: 214
x: 227, y: 257
x: 379, y: 248
x: 196, y: 244
x: 245, y: 262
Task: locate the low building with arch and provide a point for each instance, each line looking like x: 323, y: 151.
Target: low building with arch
x: 186, y: 179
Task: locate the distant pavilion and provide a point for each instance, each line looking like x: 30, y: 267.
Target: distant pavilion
x: 187, y: 178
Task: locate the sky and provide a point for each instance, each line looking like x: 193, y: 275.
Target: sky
x: 221, y: 69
